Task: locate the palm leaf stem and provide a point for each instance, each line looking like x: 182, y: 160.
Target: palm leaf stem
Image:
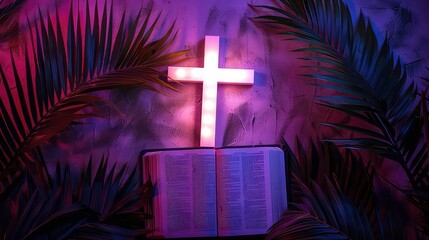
x: 401, y: 160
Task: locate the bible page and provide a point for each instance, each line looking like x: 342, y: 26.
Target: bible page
x: 188, y: 193
x: 244, y: 191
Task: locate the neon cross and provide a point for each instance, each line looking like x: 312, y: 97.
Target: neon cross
x: 210, y: 76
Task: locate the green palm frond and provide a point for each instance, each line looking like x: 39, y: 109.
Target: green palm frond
x: 368, y: 82
x: 69, y: 65
x: 106, y: 206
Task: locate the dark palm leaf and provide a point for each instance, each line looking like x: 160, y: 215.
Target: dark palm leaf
x: 326, y: 213
x: 9, y: 22
x: 82, y: 208
x: 7, y: 10
x: 420, y: 197
x: 368, y: 82
x: 316, y: 162
x: 301, y: 225
x: 68, y: 67
x: 421, y: 200
x: 355, y: 180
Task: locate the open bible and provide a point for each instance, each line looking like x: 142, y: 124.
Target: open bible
x: 216, y: 192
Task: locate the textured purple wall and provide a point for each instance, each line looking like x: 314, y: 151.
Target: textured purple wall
x: 279, y: 105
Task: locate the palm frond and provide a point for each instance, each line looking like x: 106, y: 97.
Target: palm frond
x: 301, y: 225
x: 326, y: 213
x: 69, y: 65
x: 367, y: 81
x: 7, y: 10
x: 421, y: 200
x: 9, y: 23
x: 355, y: 180
x: 419, y: 169
x: 107, y: 205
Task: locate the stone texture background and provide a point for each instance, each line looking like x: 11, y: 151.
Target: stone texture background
x: 279, y: 105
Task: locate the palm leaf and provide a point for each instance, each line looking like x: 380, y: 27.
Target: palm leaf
x: 8, y: 10
x: 322, y: 214
x: 77, y: 206
x: 368, y: 82
x: 420, y: 197
x: 301, y: 225
x: 68, y: 67
x: 421, y: 200
x: 354, y: 179
x: 9, y: 23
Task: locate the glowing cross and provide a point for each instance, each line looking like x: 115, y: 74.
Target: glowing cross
x: 210, y: 76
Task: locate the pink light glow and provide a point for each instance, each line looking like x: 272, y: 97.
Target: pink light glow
x: 207, y: 132
x: 210, y: 76
x: 207, y: 119
x: 197, y: 73
x: 180, y: 73
x: 209, y: 105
